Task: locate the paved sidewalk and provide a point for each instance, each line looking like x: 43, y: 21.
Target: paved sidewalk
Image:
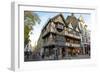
x: 78, y: 57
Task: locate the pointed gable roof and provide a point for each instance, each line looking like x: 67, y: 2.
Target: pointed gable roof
x: 81, y: 19
x: 59, y: 18
x: 73, y: 20
x: 82, y: 22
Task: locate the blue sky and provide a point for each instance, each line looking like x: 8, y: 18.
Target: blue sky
x: 45, y: 16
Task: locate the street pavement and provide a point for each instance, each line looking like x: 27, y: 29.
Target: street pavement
x: 39, y: 58
x: 78, y: 57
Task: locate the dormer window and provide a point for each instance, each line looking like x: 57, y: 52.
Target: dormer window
x: 60, y: 27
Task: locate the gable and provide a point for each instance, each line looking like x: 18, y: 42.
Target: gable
x: 59, y: 19
x: 73, y: 20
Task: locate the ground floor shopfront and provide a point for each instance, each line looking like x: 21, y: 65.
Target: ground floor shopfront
x: 58, y: 53
x: 55, y: 52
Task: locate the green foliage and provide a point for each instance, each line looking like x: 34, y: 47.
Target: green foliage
x: 30, y: 19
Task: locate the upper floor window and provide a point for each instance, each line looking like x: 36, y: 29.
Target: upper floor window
x: 60, y: 27
x: 60, y: 38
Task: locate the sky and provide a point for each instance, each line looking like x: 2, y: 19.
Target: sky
x: 45, y: 16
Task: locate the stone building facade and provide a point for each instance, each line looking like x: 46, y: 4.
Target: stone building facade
x: 60, y: 38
